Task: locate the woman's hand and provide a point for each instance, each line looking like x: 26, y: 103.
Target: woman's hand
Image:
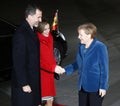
x: 59, y: 69
x: 102, y: 92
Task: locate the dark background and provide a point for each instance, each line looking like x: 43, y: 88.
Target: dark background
x: 105, y: 14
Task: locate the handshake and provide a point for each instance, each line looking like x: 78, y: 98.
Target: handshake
x: 59, y: 70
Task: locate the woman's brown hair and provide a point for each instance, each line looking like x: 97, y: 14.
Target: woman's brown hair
x: 41, y: 26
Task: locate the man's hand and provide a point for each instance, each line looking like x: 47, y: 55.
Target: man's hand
x: 27, y: 88
x: 102, y: 92
x: 59, y: 69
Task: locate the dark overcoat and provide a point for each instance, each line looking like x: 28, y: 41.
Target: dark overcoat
x: 26, y: 63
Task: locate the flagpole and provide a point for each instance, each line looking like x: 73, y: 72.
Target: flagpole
x: 57, y: 22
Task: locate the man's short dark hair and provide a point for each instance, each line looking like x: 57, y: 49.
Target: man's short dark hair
x: 31, y: 9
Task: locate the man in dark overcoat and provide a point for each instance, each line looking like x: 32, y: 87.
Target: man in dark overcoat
x: 26, y: 61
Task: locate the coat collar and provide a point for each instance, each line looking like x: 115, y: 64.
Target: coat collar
x: 30, y: 30
x: 82, y: 47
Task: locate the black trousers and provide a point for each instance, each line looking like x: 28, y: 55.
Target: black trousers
x: 89, y: 98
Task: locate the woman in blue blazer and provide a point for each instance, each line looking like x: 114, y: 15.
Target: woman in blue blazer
x: 92, y: 65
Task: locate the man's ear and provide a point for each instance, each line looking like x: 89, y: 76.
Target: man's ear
x: 29, y: 16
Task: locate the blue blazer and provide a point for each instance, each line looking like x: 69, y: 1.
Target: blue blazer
x: 92, y: 65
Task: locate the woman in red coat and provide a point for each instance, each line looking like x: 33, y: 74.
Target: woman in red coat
x: 47, y: 63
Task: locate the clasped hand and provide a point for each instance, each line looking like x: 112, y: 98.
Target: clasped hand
x: 59, y: 69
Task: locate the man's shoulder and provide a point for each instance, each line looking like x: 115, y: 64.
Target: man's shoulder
x: 21, y: 29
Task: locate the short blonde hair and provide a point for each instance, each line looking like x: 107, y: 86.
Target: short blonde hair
x: 89, y: 28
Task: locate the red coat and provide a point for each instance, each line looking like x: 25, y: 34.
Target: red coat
x: 48, y: 63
